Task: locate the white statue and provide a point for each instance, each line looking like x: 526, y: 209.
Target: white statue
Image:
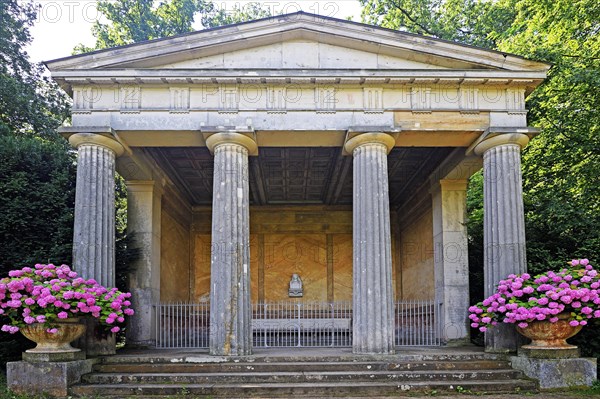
x: 295, y: 286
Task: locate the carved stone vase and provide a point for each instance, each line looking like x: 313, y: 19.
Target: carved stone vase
x: 546, y: 335
x: 68, y: 330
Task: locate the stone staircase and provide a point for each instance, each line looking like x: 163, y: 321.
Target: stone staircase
x: 302, y: 375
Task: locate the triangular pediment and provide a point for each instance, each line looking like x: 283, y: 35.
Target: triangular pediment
x: 297, y: 41
x: 300, y: 54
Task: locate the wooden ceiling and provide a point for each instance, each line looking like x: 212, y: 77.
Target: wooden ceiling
x: 297, y: 175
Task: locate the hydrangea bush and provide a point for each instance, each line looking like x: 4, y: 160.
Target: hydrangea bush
x: 48, y: 293
x: 573, y: 293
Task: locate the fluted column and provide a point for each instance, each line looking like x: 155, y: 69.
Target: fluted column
x: 373, y: 305
x: 230, y: 309
x: 94, y: 229
x: 503, y: 223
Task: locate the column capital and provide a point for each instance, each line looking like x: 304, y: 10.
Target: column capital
x: 453, y: 184
x: 144, y: 186
x: 370, y: 138
x: 214, y: 140
x: 502, y: 139
x: 79, y: 139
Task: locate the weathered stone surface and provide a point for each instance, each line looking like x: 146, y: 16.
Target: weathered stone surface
x: 451, y: 258
x: 230, y: 311
x: 557, y: 373
x: 504, y: 224
x: 308, y: 372
x: 144, y: 202
x: 94, y: 229
x: 96, y: 341
x: 49, y: 378
x: 550, y: 353
x: 43, y: 357
x: 373, y: 297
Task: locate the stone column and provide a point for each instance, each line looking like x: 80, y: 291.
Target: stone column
x: 373, y: 302
x: 504, y: 223
x: 144, y: 199
x: 230, y: 308
x: 94, y: 229
x: 451, y: 258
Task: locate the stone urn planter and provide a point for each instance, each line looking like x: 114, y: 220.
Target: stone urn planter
x: 67, y: 331
x: 547, y: 335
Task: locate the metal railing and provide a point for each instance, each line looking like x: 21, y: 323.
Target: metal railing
x: 418, y: 323
x: 182, y: 325
x: 296, y: 324
x: 284, y: 324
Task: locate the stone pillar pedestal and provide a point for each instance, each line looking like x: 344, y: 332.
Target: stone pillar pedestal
x: 373, y: 302
x: 451, y: 258
x: 504, y: 224
x: 94, y: 229
x: 556, y: 368
x: 144, y: 199
x: 46, y: 378
x: 230, y: 308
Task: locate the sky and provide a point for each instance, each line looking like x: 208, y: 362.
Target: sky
x: 62, y: 24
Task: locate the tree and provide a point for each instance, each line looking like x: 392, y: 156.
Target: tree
x: 132, y: 21
x: 37, y: 171
x: 37, y: 193
x: 30, y: 103
x: 467, y: 21
x: 247, y: 12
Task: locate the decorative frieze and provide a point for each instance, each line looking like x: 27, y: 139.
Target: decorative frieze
x: 180, y: 100
x: 229, y: 98
x: 83, y: 100
x: 373, y: 100
x: 130, y: 99
x: 325, y: 98
x: 276, y: 99
x: 469, y: 100
x: 420, y: 99
x: 515, y: 100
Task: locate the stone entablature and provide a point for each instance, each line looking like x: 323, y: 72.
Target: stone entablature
x: 234, y: 97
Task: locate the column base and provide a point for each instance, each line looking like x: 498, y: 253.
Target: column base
x: 95, y: 341
x: 503, y: 338
x: 557, y: 373
x: 46, y: 378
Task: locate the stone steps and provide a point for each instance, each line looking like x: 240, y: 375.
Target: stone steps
x: 306, y: 376
x: 311, y: 389
x: 298, y: 366
x: 348, y: 375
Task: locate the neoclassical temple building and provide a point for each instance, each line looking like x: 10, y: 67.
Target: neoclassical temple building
x: 299, y: 144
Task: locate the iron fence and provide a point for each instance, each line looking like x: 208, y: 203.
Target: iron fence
x: 182, y: 325
x: 284, y: 324
x: 296, y: 324
x: 418, y: 323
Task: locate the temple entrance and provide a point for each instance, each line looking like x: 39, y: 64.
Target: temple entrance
x: 301, y: 223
